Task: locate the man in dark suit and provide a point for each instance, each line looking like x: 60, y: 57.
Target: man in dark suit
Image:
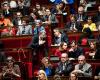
x: 64, y: 67
x: 75, y: 51
x: 17, y: 20
x: 73, y: 25
x: 6, y: 10
x: 59, y: 37
x: 81, y: 15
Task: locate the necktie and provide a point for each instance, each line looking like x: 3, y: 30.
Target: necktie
x: 81, y: 19
x: 23, y: 31
x: 72, y: 26
x: 63, y: 66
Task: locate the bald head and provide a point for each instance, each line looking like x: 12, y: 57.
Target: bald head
x: 81, y: 59
x: 64, y: 57
x: 80, y: 9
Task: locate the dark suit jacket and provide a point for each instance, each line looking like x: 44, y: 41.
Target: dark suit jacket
x: 64, y: 38
x: 77, y: 25
x: 84, y: 16
x: 97, y: 17
x: 68, y: 68
x: 15, y: 22
x: 79, y: 51
x: 7, y: 15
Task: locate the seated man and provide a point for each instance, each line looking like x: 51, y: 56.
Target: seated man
x: 97, y: 18
x: 59, y: 37
x: 25, y: 28
x: 73, y: 25
x: 82, y: 68
x: 64, y: 66
x: 10, y: 70
x: 81, y: 15
x: 75, y: 50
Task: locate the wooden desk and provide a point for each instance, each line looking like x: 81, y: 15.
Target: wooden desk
x: 16, y: 41
x: 75, y: 35
x: 67, y: 78
x: 24, y: 41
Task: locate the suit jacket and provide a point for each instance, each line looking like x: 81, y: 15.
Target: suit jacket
x: 77, y: 52
x: 7, y: 14
x: 28, y: 30
x: 15, y: 22
x: 64, y: 38
x: 84, y: 16
x: 78, y: 26
x: 97, y: 17
x: 86, y: 68
x: 52, y: 18
x: 68, y: 67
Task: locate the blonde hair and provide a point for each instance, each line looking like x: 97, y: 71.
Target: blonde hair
x: 43, y: 72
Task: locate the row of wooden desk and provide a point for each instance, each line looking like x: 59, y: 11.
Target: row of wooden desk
x: 67, y: 78
x: 25, y: 40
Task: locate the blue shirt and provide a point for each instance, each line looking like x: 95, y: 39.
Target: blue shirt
x: 48, y: 71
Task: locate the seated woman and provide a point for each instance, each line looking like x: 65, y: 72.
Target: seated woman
x: 62, y: 49
x: 46, y: 66
x: 73, y: 76
x: 10, y: 70
x: 42, y: 75
x: 94, y: 52
x: 90, y: 24
x: 57, y: 77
